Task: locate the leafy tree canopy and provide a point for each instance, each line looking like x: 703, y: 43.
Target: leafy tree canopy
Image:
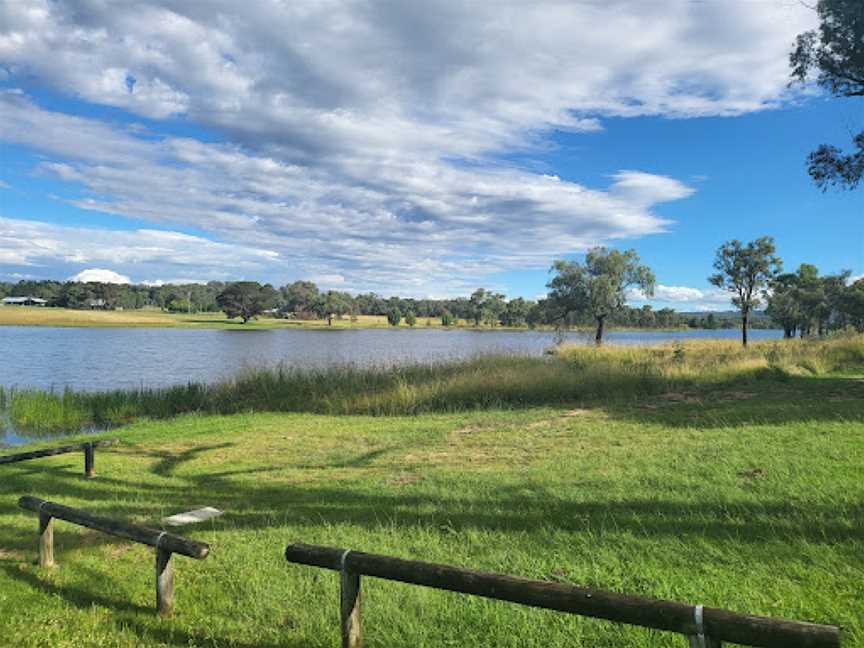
x: 835, y: 54
x: 598, y: 286
x: 745, y: 271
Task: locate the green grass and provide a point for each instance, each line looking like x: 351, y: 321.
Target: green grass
x: 605, y: 375
x: 744, y: 500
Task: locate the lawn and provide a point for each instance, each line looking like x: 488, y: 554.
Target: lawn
x: 748, y: 497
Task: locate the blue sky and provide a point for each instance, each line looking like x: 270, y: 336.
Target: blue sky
x: 420, y: 150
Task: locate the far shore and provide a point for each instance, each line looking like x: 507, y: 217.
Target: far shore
x: 154, y: 318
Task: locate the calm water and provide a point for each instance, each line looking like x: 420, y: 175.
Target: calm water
x: 98, y: 359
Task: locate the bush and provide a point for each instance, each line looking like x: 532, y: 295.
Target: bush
x: 394, y: 316
x: 410, y: 318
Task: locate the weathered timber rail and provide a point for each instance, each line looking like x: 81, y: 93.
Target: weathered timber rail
x: 705, y: 627
x: 165, y: 543
x: 89, y: 449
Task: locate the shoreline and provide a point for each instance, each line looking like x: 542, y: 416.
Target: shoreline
x: 22, y: 316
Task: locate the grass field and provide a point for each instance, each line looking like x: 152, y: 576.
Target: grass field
x: 36, y: 316
x: 745, y: 495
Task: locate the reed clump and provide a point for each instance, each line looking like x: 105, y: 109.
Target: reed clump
x: 571, y: 374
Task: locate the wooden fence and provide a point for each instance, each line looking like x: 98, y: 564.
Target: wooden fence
x: 705, y: 627
x: 165, y: 543
x: 89, y: 449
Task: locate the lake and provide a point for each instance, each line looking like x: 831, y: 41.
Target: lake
x: 111, y: 358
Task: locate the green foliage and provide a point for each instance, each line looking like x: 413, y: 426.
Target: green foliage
x: 447, y: 318
x: 597, y: 287
x: 246, y: 299
x: 746, y: 271
x: 835, y: 52
x: 394, y: 316
x: 410, y: 318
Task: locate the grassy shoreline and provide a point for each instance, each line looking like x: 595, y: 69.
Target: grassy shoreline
x: 741, y: 489
x: 574, y: 374
x: 153, y: 318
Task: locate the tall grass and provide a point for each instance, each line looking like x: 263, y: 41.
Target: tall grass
x: 571, y: 374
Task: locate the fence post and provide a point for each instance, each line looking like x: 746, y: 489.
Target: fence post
x: 89, y: 460
x: 46, y: 540
x: 700, y: 639
x: 164, y: 582
x: 350, y: 599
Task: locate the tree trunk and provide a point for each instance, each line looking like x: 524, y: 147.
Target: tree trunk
x: 330, y: 319
x: 598, y: 338
x: 744, y: 320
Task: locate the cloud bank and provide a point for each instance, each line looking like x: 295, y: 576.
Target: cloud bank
x: 366, y: 141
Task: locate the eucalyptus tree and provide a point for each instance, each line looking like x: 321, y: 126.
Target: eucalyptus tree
x: 246, y: 299
x: 597, y: 287
x: 746, y: 271
x: 835, y: 52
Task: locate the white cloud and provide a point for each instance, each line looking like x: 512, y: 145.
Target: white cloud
x: 363, y: 139
x: 683, y: 298
x: 100, y: 275
x: 134, y: 253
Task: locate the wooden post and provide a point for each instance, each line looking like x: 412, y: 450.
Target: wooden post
x: 352, y: 631
x: 46, y: 540
x: 89, y: 460
x: 164, y: 582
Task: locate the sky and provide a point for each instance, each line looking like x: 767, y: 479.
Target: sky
x: 415, y: 148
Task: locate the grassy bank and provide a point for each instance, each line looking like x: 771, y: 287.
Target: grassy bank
x: 575, y: 374
x: 153, y: 318
x: 746, y: 497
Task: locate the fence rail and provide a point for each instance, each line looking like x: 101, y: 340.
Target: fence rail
x: 705, y: 627
x: 165, y: 543
x: 89, y: 449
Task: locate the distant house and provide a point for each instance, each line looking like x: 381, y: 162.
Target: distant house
x: 97, y: 304
x: 23, y: 301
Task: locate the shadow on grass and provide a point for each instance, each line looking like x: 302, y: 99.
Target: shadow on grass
x: 260, y: 505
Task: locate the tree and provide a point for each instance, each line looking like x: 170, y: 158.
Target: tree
x: 332, y: 303
x: 597, y: 287
x: 394, y: 316
x: 477, y: 303
x: 836, y: 53
x: 784, y: 304
x: 852, y: 305
x: 246, y: 299
x: 300, y: 298
x: 745, y: 271
x: 516, y: 312
x: 410, y: 318
x: 447, y: 318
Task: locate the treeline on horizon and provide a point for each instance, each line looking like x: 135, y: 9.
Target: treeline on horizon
x: 303, y: 300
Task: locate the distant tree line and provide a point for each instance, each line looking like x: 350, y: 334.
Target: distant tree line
x: 580, y: 295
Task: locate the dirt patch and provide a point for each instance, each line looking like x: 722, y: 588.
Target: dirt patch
x: 404, y: 479
x: 679, y: 397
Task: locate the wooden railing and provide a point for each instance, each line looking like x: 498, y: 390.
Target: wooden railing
x: 165, y: 543
x: 705, y: 627
x: 89, y: 449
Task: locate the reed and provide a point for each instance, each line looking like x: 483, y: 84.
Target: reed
x: 570, y: 374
